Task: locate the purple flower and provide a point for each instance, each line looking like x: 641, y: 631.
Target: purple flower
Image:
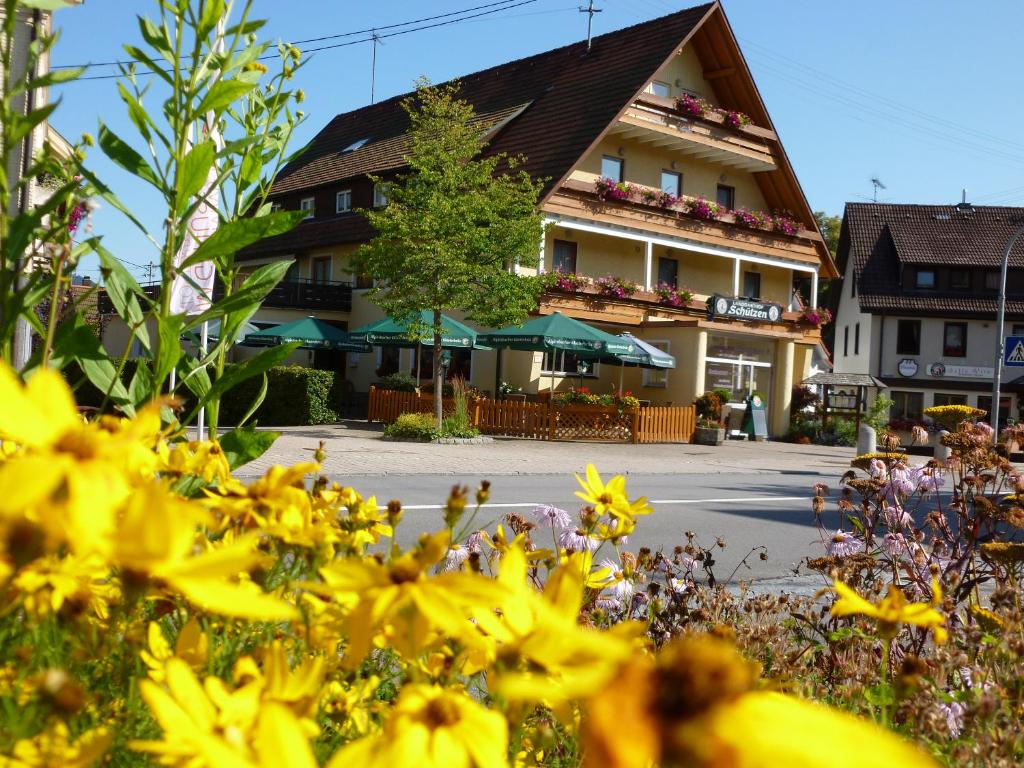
x: 954, y: 714
x: 549, y: 516
x: 577, y: 540
x: 457, y: 555
x: 844, y: 544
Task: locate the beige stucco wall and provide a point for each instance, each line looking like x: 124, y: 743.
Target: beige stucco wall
x: 684, y: 72
x: 597, y: 255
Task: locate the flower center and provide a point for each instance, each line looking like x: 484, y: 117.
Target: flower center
x: 440, y: 713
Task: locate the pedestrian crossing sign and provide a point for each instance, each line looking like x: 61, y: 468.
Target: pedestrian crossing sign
x: 1014, y: 354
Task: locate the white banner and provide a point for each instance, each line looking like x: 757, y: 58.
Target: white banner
x: 203, y: 223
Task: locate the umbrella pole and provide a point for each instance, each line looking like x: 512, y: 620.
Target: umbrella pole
x: 418, y: 348
x: 622, y: 373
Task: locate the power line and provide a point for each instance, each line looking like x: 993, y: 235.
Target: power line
x: 371, y: 30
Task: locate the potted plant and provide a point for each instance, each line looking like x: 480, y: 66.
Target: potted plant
x: 710, y: 430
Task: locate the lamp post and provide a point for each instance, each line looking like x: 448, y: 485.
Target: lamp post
x: 994, y: 415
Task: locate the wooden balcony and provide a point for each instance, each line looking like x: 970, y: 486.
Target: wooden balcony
x: 654, y: 120
x: 288, y: 294
x: 576, y: 198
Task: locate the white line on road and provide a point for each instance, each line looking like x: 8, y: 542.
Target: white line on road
x: 662, y: 502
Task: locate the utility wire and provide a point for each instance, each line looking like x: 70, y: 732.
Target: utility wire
x: 333, y: 37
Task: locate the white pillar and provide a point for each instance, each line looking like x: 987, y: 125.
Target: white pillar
x: 736, y: 277
x: 814, y: 290
x: 700, y: 361
x: 648, y: 266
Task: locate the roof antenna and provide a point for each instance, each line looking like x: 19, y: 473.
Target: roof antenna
x: 373, y: 65
x: 877, y: 184
x: 590, y: 10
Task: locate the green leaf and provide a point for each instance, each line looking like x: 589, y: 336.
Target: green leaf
x: 257, y: 401
x: 194, y: 171
x: 140, y: 388
x: 251, y: 293
x: 212, y: 11
x: 45, y: 5
x: 232, y: 236
x: 223, y: 93
x: 76, y: 341
x: 158, y: 38
x: 123, y: 291
x: 245, y: 444
x: 196, y: 379
x: 136, y: 112
x: 108, y: 194
x: 54, y: 77
x: 126, y: 157
x: 19, y: 126
x: 239, y: 372
x: 169, y: 350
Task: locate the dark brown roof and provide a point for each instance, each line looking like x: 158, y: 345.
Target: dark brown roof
x: 882, y: 238
x: 318, y: 233
x: 569, y: 91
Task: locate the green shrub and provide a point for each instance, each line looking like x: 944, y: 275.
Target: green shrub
x: 709, y: 407
x: 398, y: 382
x: 296, y: 396
x: 414, y: 426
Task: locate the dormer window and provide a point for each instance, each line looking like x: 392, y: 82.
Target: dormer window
x: 308, y: 204
x: 925, y: 279
x: 658, y: 88
x: 354, y: 146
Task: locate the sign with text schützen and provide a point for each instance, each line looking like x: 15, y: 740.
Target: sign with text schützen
x: 743, y: 309
x: 1013, y: 352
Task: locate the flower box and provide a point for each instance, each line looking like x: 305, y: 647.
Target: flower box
x: 709, y: 435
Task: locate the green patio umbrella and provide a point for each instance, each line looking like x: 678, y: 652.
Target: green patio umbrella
x: 558, y: 331
x: 309, y: 332
x: 213, y: 333
x: 389, y: 332
x: 643, y: 356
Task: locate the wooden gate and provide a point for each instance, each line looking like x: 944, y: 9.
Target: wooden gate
x: 666, y: 424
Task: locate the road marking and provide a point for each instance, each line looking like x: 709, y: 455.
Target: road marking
x: 662, y: 502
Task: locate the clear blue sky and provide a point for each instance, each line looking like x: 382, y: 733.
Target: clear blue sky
x: 923, y: 94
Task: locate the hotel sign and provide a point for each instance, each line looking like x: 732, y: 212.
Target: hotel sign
x: 941, y: 370
x: 743, y: 309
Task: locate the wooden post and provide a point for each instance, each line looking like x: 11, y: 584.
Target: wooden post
x: 551, y: 422
x: 636, y: 425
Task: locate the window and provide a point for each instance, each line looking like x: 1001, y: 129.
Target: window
x: 856, y: 338
x: 564, y: 257
x: 906, y: 405
x: 659, y: 88
x: 945, y: 399
x: 992, y: 281
x: 656, y: 377
x: 612, y: 167
x: 846, y: 340
x: 308, y: 204
x: 388, y: 361
x: 275, y: 207
x: 908, y: 337
x: 668, y: 271
x: 954, y: 340
x: 343, y: 201
x: 726, y: 196
x: 320, y: 270
x: 672, y: 183
x: 960, y: 279
x: 925, y: 279
x: 752, y: 285
x: 567, y: 364
x: 380, y: 194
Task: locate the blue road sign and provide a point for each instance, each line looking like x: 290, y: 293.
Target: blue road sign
x: 1013, y: 352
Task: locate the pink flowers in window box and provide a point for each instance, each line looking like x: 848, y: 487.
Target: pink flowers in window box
x: 785, y: 224
x: 736, y: 119
x: 671, y: 296
x: 692, y: 106
x: 816, y: 317
x: 752, y: 219
x: 569, y: 281
x: 609, y: 189
x: 703, y: 209
x: 616, y: 287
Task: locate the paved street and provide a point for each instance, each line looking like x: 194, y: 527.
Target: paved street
x: 749, y: 494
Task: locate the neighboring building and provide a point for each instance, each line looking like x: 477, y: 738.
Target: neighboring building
x: 917, y: 302
x: 577, y: 116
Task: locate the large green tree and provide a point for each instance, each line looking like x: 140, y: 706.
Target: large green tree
x: 457, y: 224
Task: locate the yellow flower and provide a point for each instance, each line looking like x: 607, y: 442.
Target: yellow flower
x: 202, y: 459
x: 894, y: 610
x: 154, y: 545
x: 402, y: 593
x: 695, y: 705
x: 192, y: 646
x: 297, y: 689
x: 53, y: 747
x: 610, y: 497
x: 70, y: 585
x: 432, y: 727
x: 211, y: 726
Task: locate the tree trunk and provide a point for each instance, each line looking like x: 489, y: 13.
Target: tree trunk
x: 438, y: 370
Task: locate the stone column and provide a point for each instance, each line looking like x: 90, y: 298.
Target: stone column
x: 699, y: 363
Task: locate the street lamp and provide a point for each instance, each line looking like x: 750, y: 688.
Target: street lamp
x: 994, y: 415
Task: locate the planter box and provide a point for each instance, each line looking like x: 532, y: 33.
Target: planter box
x: 709, y: 435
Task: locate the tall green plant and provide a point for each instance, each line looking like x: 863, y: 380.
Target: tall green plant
x: 456, y: 225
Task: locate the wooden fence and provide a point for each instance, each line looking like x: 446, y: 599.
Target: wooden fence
x: 539, y: 421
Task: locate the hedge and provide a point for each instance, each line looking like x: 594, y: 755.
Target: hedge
x: 296, y: 396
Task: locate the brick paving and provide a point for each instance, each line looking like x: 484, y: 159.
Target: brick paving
x: 356, y: 448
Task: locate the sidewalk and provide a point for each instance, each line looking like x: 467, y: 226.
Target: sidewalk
x: 355, y: 448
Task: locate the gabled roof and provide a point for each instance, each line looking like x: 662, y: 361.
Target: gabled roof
x: 881, y: 238
x: 552, y: 108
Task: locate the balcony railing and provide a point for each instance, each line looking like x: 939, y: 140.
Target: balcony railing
x: 288, y: 294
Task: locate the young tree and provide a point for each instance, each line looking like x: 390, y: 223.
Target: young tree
x: 455, y: 226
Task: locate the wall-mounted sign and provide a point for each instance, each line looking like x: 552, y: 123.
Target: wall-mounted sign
x: 743, y: 309
x: 907, y: 367
x: 940, y: 370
